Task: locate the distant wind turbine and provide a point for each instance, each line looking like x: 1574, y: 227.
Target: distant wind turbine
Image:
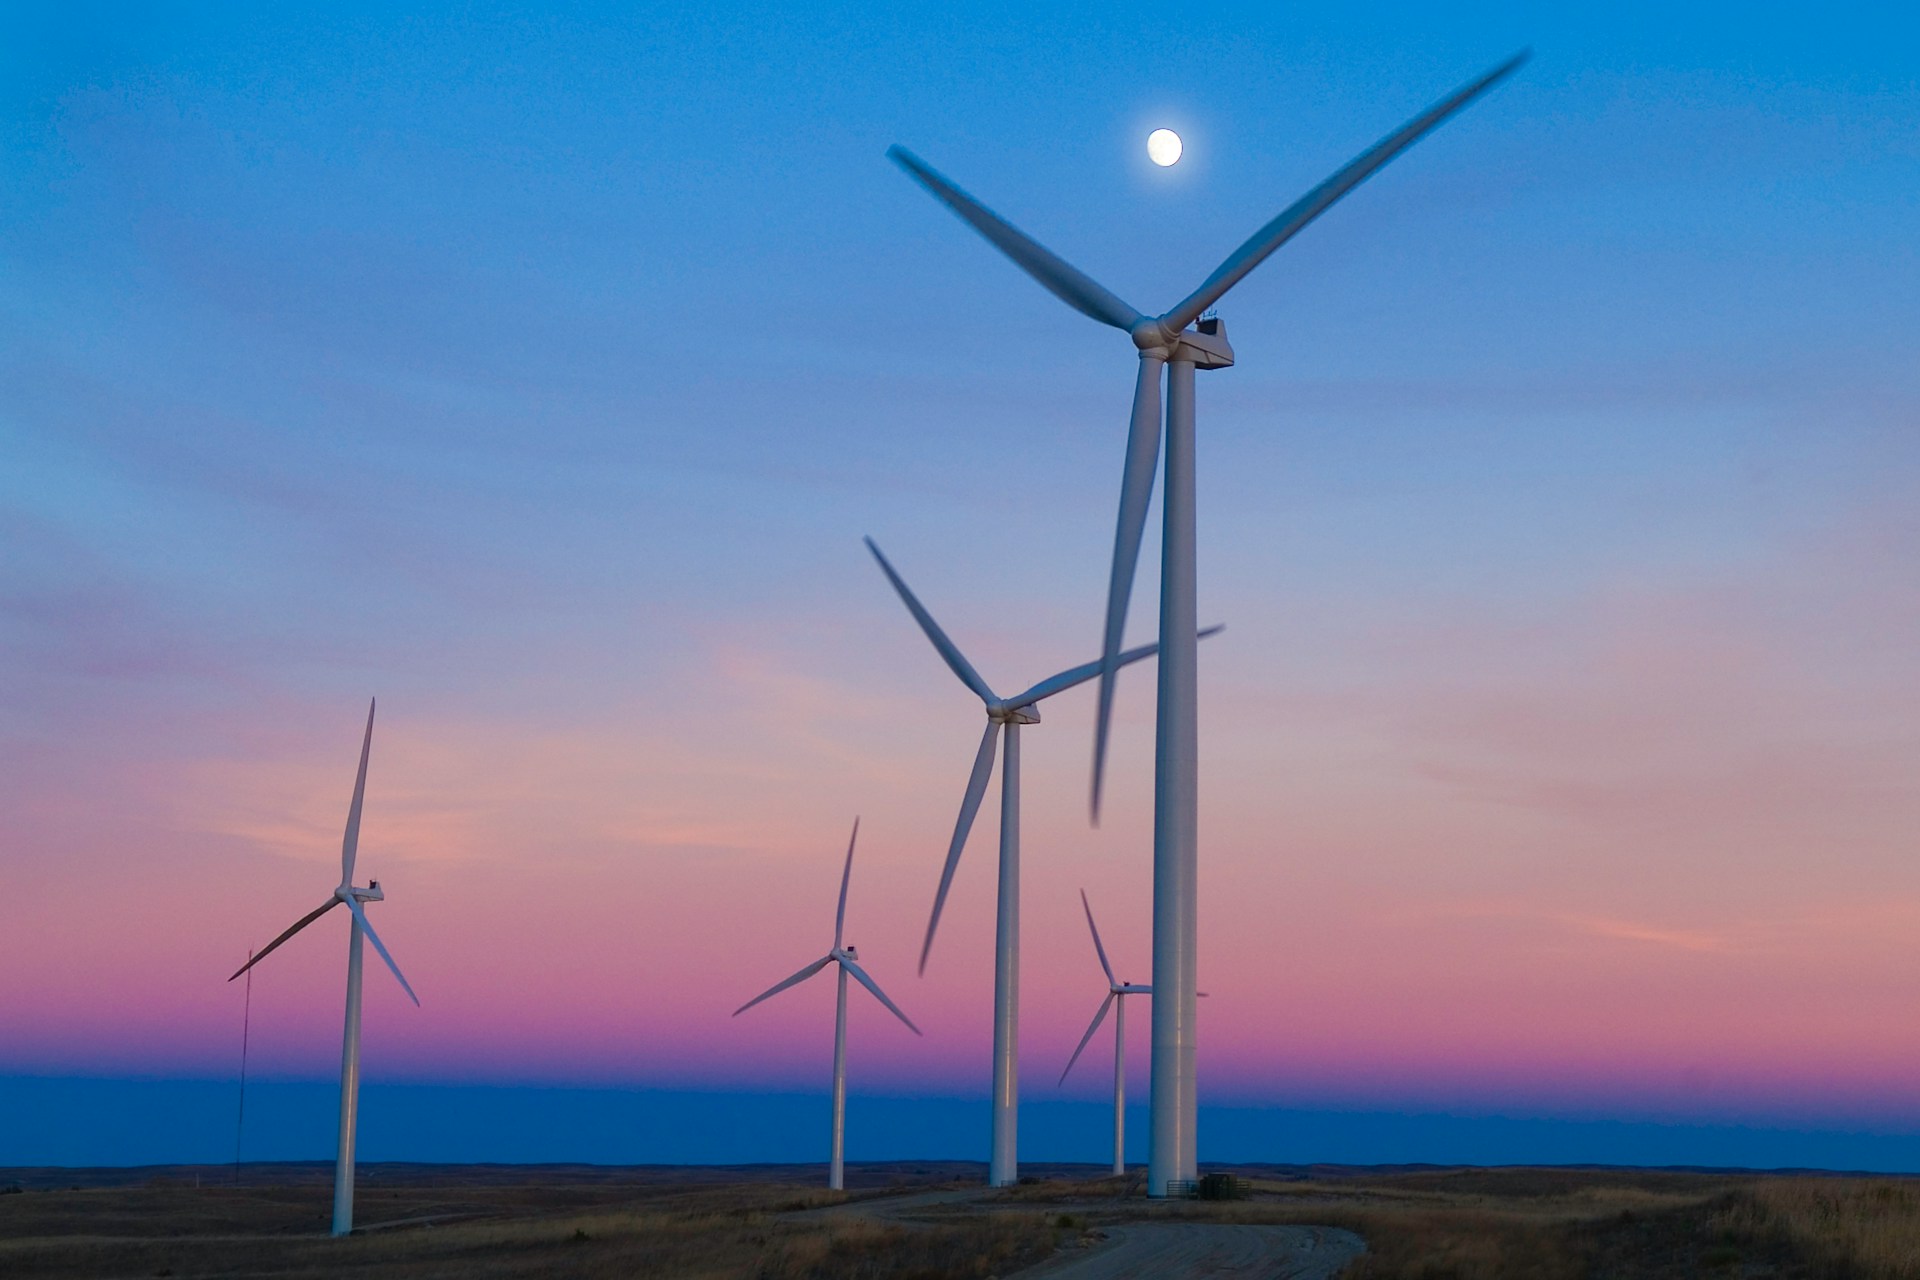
x: 1117, y: 993
x: 1164, y: 343
x: 848, y: 958
x: 353, y: 896
x: 1004, y: 716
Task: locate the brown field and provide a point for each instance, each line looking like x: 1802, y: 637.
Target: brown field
x: 1563, y: 1224
x: 926, y: 1221
x: 496, y: 1221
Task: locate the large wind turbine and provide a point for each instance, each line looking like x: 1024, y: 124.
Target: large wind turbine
x: 1165, y: 342
x: 353, y: 896
x: 1117, y: 993
x: 848, y: 958
x: 1004, y: 716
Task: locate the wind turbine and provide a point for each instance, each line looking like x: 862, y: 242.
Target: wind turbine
x: 1117, y: 993
x: 353, y: 896
x: 1165, y: 342
x: 848, y: 958
x: 1004, y: 717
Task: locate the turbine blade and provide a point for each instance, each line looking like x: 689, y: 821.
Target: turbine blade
x: 296, y: 927
x: 1088, y: 670
x: 1316, y: 202
x: 360, y: 914
x: 1098, y: 949
x: 1067, y: 283
x: 1079, y: 675
x: 956, y: 660
x: 860, y: 976
x: 969, y: 806
x: 778, y: 987
x: 350, y: 843
x: 1098, y: 1018
x: 840, y: 916
x: 1136, y: 490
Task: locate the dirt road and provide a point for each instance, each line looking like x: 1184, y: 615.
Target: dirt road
x: 1192, y: 1250
x: 1148, y: 1250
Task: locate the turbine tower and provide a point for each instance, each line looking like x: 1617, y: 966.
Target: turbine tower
x: 1004, y: 716
x: 1166, y: 343
x: 848, y: 958
x: 353, y: 896
x: 1117, y: 993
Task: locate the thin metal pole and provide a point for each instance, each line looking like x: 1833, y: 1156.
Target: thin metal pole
x: 246, y: 1027
x: 349, y: 1091
x: 1004, y: 1168
x: 1172, y: 1156
x: 837, y: 1162
x: 1119, y: 1086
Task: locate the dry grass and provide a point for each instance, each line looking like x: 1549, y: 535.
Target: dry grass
x: 1574, y: 1224
x: 1854, y: 1227
x: 1072, y: 1190
x: 1436, y: 1227
x: 1489, y: 1224
x: 976, y: 1248
x: 1469, y: 1225
x: 741, y: 1232
x: 1463, y: 1224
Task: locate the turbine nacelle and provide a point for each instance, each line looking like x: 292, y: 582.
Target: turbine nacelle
x: 1001, y: 713
x: 1205, y: 344
x: 372, y: 893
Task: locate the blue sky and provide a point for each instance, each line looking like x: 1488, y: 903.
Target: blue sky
x: 540, y: 372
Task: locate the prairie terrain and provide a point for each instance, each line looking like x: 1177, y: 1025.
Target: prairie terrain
x: 495, y: 1221
x: 923, y: 1221
x: 1589, y: 1224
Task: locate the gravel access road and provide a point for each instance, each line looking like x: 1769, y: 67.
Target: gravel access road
x: 1192, y: 1250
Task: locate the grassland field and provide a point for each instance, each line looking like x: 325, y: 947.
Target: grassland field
x: 929, y: 1220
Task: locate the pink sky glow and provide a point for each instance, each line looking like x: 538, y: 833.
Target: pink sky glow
x: 1649, y: 852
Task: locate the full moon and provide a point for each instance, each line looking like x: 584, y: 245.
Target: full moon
x: 1163, y: 147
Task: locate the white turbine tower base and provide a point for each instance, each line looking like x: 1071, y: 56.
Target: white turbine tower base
x: 353, y: 896
x: 1166, y: 342
x: 848, y: 958
x: 1005, y: 716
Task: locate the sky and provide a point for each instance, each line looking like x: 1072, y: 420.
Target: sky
x: 539, y: 373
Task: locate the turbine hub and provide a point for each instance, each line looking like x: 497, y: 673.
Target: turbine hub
x: 1149, y: 335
